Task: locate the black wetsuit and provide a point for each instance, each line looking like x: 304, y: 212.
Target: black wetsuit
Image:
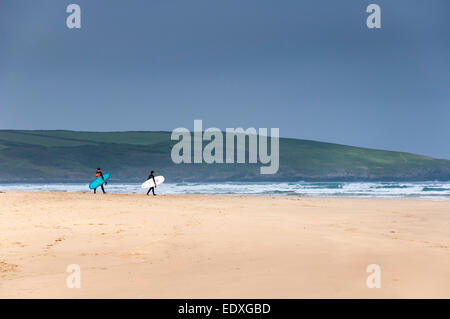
x: 100, y: 175
x: 152, y: 188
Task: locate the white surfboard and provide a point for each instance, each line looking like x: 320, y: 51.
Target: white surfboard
x: 149, y: 183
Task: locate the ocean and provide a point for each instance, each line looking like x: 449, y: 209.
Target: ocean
x: 423, y: 190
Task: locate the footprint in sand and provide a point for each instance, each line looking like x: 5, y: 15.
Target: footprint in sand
x: 56, y: 241
x: 19, y: 244
x: 89, y: 254
x: 5, y: 267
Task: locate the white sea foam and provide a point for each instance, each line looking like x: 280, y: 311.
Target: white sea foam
x: 427, y: 190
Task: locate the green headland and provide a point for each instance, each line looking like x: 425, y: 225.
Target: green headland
x: 72, y: 156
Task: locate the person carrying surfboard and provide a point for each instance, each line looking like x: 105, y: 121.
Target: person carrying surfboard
x: 152, y: 176
x: 100, y: 174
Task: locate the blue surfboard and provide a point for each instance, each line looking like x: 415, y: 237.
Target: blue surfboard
x: 99, y: 181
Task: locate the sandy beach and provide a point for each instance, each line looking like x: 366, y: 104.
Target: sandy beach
x: 206, y: 246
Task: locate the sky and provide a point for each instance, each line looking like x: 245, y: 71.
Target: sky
x: 310, y: 68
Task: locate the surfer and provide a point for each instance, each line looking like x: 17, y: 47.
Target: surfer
x: 100, y: 174
x: 152, y: 176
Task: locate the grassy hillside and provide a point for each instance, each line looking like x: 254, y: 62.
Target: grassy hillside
x: 74, y: 156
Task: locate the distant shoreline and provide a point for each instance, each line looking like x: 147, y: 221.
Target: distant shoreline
x: 219, y: 195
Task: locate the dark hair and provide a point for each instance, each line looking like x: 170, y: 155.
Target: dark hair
x: 152, y: 172
x: 98, y: 168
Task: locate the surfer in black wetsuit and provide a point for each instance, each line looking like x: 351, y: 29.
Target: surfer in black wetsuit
x: 152, y: 176
x: 100, y: 174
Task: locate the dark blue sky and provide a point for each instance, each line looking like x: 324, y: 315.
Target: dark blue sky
x: 311, y: 68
